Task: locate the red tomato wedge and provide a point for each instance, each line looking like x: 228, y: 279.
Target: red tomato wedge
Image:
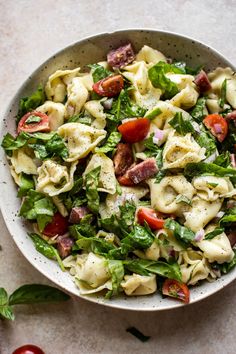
x: 174, y: 288
x: 125, y: 181
x: 33, y: 122
x: 58, y: 226
x: 28, y: 349
x: 134, y: 130
x: 217, y: 125
x: 110, y: 86
x: 151, y: 217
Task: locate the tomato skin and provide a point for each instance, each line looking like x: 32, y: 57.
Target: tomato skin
x: 134, y: 131
x: 174, y: 288
x: 211, y: 121
x: 28, y: 349
x: 58, y: 226
x: 42, y: 126
x: 125, y: 181
x: 110, y: 86
x: 151, y: 217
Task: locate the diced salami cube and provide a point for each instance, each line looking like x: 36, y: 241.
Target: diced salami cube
x: 121, y: 56
x: 202, y: 81
x: 123, y: 158
x: 143, y: 170
x: 232, y: 238
x: 231, y: 117
x: 64, y: 246
x: 77, y: 213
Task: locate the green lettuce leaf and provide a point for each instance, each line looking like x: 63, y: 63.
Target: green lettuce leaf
x: 31, y: 102
x: 113, y: 139
x: 37, y: 206
x: 182, y: 126
x: 223, y: 159
x: 91, y: 184
x: 223, y: 93
x: 229, y: 217
x: 26, y: 183
x: 47, y: 250
x: 195, y: 169
x: 214, y: 233
x: 205, y: 139
x: 147, y: 267
x: 226, y: 267
x: 182, y: 233
x: 116, y: 270
x: 98, y: 72
x: 198, y: 111
x: 159, y: 80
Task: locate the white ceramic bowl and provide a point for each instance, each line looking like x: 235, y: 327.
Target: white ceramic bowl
x: 91, y: 50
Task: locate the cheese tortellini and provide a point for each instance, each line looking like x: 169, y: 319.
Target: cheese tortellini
x: 54, y: 179
x: 80, y: 139
x: 217, y: 78
x: 107, y: 180
x: 211, y: 188
x: 201, y: 213
x: 56, y: 87
x: 139, y: 284
x: 181, y: 150
x: 150, y: 55
x: 164, y: 194
x: 22, y: 160
x: 96, y: 110
x: 55, y: 112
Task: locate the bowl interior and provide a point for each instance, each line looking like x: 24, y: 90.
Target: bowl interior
x: 84, y: 52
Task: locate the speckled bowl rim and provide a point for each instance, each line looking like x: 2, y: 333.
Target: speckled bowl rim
x: 170, y: 304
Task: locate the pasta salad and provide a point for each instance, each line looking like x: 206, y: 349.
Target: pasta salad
x: 127, y: 173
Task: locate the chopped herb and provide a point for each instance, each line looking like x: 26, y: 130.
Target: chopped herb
x: 183, y: 199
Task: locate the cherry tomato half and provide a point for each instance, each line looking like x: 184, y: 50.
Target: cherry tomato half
x: 33, y: 122
x: 134, y: 130
x: 217, y: 125
x: 110, y: 86
x: 58, y: 226
x: 176, y: 289
x: 28, y: 349
x: 153, y: 219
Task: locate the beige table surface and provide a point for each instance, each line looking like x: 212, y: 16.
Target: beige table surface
x: 31, y: 31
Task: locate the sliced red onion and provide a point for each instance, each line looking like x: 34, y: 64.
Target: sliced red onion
x: 212, y: 157
x: 159, y: 134
x: 220, y: 214
x: 218, y: 128
x: 108, y: 103
x: 233, y: 160
x: 199, y: 235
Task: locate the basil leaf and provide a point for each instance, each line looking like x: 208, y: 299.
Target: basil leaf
x: 195, y: 169
x: 94, y: 244
x: 36, y: 293
x: 182, y: 233
x: 223, y: 93
x: 56, y: 147
x: 3, y: 297
x: 116, y: 270
x: 147, y: 267
x: 123, y: 107
x: 111, y: 224
x: 47, y: 250
x: 113, y: 139
x: 140, y: 238
x: 36, y: 206
x: 159, y: 80
x: 7, y: 312
x: 91, y: 184
x: 136, y: 333
x: 31, y: 102
x: 26, y: 183
x: 214, y: 233
x: 84, y: 228
x: 181, y: 125
x: 98, y: 72
x: 198, y: 111
x: 183, y: 199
